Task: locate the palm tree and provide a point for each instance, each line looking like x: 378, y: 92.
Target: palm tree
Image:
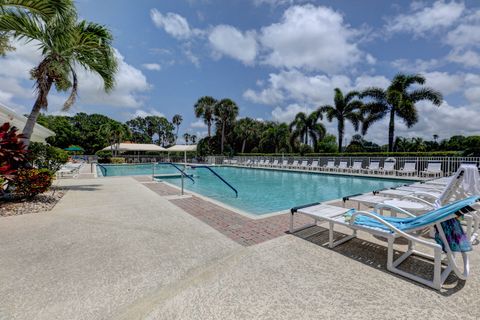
x: 225, y: 112
x: 245, y: 129
x: 205, y: 107
x: 397, y: 100
x: 304, y: 127
x: 114, y: 132
x: 64, y: 42
x: 177, y: 120
x: 435, y: 137
x: 187, y: 137
x: 193, y: 138
x: 346, y: 108
x: 275, y: 136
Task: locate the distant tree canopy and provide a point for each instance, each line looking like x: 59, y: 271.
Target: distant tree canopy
x: 82, y: 129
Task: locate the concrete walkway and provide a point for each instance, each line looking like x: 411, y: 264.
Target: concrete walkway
x: 108, y: 243
x: 113, y: 249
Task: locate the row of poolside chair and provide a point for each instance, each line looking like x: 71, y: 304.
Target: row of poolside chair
x: 448, y: 224
x: 69, y: 169
x: 433, y: 169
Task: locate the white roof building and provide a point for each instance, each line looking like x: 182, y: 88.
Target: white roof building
x: 136, y: 147
x: 40, y: 133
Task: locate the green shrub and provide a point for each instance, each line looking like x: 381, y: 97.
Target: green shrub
x: 117, y: 160
x: 44, y: 156
x: 30, y: 182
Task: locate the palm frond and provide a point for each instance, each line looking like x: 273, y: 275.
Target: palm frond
x: 370, y: 120
x: 426, y: 94
x: 22, y: 26
x: 46, y: 9
x: 374, y: 93
x: 350, y: 95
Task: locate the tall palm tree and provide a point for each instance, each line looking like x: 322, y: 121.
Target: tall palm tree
x: 193, y: 138
x: 275, y: 136
x: 204, y: 108
x: 177, y: 121
x: 397, y: 100
x: 187, y: 137
x: 225, y: 112
x: 304, y: 127
x: 114, y: 132
x: 346, y: 107
x: 65, y: 44
x: 245, y: 129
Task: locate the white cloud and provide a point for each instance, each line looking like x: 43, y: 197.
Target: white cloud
x: 275, y: 3
x: 465, y: 35
x: 152, y: 66
x: 467, y: 58
x: 363, y: 82
x: 296, y: 86
x: 427, y: 19
x: 417, y: 65
x: 269, y: 96
x: 198, y: 124
x: 312, y: 38
x: 230, y: 41
x: 145, y: 113
x: 444, y: 82
x: 129, y: 83
x: 173, y: 24
x: 288, y: 113
x: 15, y: 68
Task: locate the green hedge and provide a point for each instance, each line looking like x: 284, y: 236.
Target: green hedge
x: 360, y: 154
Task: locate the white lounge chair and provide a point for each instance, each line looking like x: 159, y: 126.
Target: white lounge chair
x: 293, y: 165
x: 284, y: 164
x: 303, y: 165
x: 342, y: 166
x: 330, y: 166
x: 313, y: 165
x: 388, y: 168
x: 434, y: 169
x: 409, y: 169
x: 260, y: 163
x: 274, y: 163
x: 266, y: 163
x: 393, y: 228
x: 372, y: 168
x: 69, y: 170
x: 356, y: 167
x: 423, y: 200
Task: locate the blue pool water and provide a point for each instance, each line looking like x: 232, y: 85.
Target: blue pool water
x: 265, y: 191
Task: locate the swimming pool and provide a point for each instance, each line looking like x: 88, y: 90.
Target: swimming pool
x: 262, y: 191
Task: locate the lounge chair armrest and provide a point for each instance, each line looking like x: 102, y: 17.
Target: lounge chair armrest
x: 392, y: 208
x: 295, y: 209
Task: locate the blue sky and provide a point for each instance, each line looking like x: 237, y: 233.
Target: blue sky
x: 273, y: 57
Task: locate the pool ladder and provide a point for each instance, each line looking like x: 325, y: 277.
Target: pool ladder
x: 218, y: 176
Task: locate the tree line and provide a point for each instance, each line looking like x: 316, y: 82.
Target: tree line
x: 306, y: 133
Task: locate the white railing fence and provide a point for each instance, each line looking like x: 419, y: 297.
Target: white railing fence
x: 449, y: 164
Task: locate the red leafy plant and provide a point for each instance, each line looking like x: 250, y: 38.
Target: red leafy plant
x: 12, y: 153
x: 30, y: 182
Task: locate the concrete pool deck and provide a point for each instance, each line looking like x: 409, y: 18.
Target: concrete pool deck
x: 114, y: 249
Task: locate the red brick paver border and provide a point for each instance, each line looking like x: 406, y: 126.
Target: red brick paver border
x: 239, y: 228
